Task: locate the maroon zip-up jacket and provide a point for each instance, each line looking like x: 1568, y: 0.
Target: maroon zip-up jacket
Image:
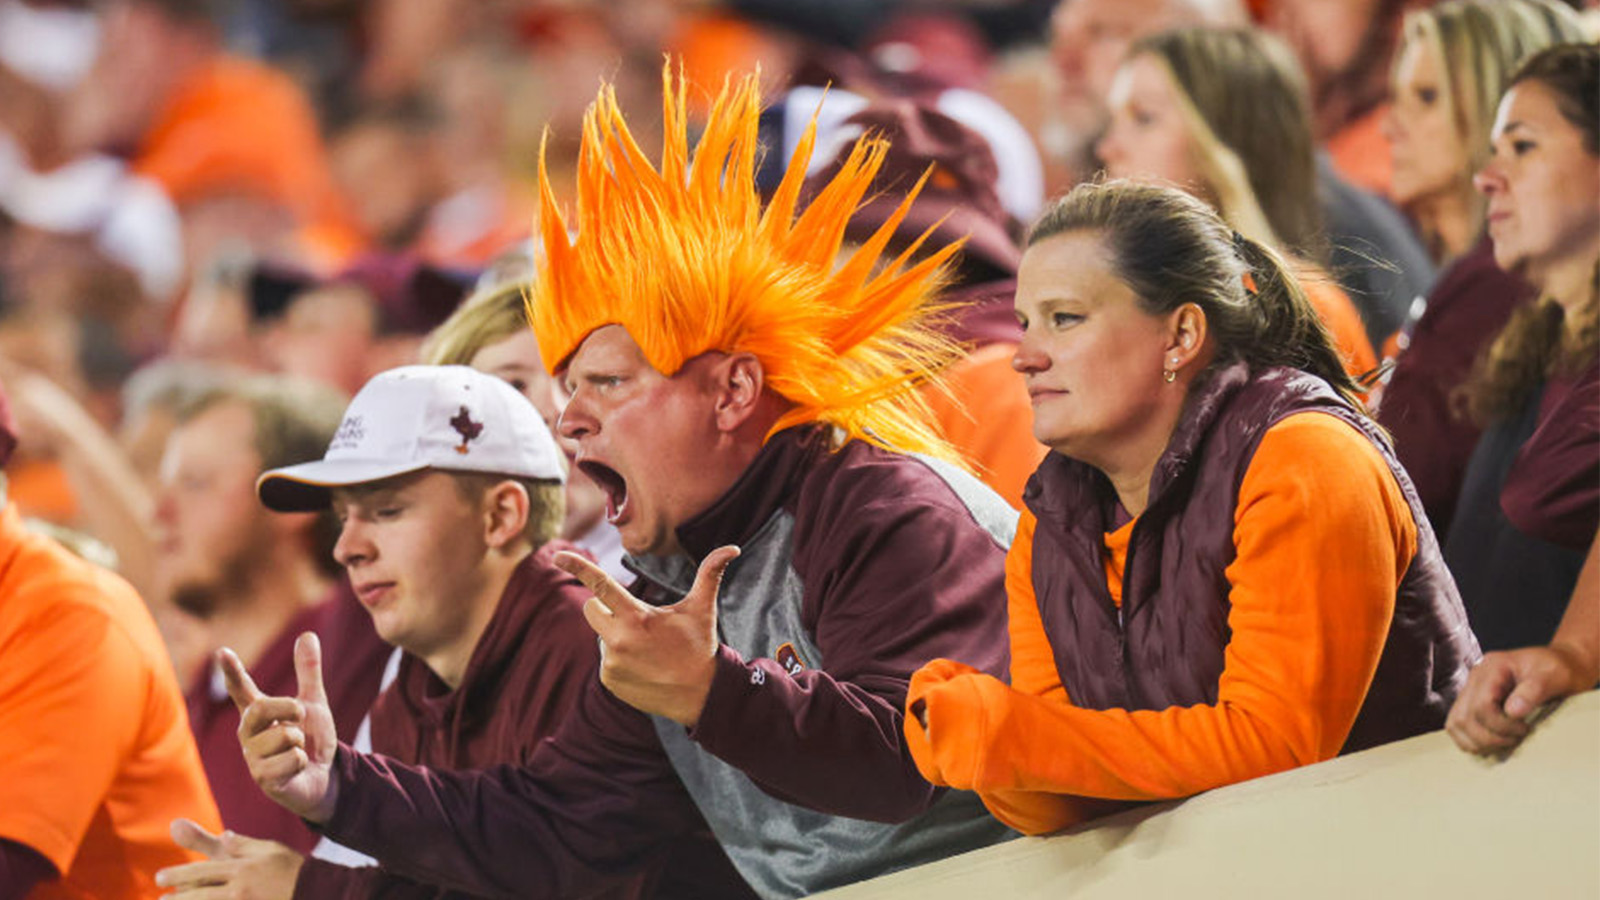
x: 532, y: 663
x: 860, y: 565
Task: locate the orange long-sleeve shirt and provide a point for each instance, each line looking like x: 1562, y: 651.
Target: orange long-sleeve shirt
x: 1323, y: 536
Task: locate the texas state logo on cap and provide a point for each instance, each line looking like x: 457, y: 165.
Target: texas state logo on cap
x: 412, y: 418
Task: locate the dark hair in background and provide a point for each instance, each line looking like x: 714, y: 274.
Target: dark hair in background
x: 1171, y: 248
x: 1248, y: 88
x: 1531, y: 348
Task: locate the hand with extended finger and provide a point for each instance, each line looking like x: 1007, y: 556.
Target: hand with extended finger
x: 237, y: 867
x: 659, y: 660
x: 288, y: 742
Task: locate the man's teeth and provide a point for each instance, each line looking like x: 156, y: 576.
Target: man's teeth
x: 613, y: 510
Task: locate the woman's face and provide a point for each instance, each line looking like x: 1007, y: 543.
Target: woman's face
x: 1427, y: 148
x: 1541, y: 183
x: 1092, y: 359
x: 1148, y: 138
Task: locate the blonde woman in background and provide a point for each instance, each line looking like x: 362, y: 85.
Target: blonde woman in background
x: 1454, y: 62
x: 1452, y: 67
x: 490, y: 333
x: 1176, y: 117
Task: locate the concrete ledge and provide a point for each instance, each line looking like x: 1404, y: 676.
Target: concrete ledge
x: 1413, y: 819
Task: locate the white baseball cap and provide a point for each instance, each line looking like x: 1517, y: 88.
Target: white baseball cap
x: 451, y: 418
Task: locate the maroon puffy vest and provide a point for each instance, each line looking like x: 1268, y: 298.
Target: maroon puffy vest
x: 1165, y: 646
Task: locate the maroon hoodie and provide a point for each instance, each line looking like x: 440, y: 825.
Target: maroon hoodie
x: 534, y: 659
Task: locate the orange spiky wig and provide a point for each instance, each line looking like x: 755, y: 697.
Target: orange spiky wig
x: 687, y: 260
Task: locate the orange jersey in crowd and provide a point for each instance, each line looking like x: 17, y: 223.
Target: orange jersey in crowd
x: 1305, y: 642
x: 240, y: 127
x: 96, y: 758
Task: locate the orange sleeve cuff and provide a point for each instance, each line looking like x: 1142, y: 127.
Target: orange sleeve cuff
x: 930, y: 689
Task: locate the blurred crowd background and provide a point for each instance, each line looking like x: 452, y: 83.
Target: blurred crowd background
x: 193, y: 188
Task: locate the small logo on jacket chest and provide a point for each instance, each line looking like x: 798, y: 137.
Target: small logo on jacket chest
x: 789, y: 658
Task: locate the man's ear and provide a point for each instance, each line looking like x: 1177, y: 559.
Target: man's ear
x: 505, y: 513
x: 739, y: 382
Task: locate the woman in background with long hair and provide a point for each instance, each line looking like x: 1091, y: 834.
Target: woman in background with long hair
x: 1530, y: 500
x: 1176, y: 118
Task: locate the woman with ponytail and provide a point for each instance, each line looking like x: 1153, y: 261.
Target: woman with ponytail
x: 1222, y: 571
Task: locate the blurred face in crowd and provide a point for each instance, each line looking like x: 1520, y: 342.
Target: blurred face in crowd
x: 1149, y: 137
x: 210, y: 531
x: 642, y: 436
x: 1092, y: 359
x: 1541, y: 183
x: 516, y: 361
x: 390, y: 176
x: 327, y: 334
x: 1090, y: 38
x: 1325, y: 34
x: 1430, y: 157
x: 414, y: 548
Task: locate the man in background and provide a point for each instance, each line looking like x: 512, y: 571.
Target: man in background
x: 254, y: 579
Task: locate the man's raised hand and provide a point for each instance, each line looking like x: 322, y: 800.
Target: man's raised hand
x: 659, y: 660
x: 288, y: 742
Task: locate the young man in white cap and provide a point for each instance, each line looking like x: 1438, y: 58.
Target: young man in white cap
x: 449, y: 489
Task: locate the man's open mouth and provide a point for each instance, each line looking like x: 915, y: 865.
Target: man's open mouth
x: 612, y: 483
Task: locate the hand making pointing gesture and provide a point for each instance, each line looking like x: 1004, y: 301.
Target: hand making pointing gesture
x: 657, y: 659
x: 288, y: 742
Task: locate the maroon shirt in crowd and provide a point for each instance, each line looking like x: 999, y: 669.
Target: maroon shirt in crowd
x: 1553, y: 489
x: 353, y: 660
x: 1466, y: 309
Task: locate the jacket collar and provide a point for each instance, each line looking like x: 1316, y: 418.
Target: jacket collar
x: 735, y: 518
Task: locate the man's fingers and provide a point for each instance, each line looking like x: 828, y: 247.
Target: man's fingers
x: 308, y: 669
x: 273, y: 741
x: 189, y: 835
x: 612, y: 596
x: 599, y: 616
x: 241, y: 687
x: 263, y: 714
x: 708, y: 581
x: 191, y: 876
x: 279, y: 769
